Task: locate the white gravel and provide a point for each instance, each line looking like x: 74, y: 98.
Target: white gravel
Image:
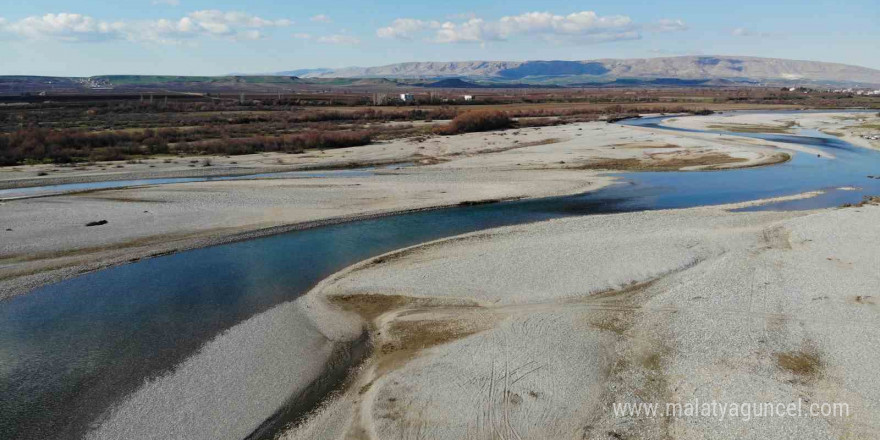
x: 733, y: 291
x: 45, y: 239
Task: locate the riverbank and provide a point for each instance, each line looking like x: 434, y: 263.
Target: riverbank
x: 46, y: 239
x: 855, y: 128
x: 231, y: 298
x: 535, y: 331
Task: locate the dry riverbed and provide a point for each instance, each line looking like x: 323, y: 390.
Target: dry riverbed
x: 528, y: 331
x: 855, y: 128
x: 47, y: 239
x: 535, y: 331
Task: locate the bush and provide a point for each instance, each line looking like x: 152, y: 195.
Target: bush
x: 292, y: 143
x: 478, y: 120
x: 39, y: 145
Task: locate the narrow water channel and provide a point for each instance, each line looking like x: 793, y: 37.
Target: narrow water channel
x: 70, y: 350
x: 67, y: 188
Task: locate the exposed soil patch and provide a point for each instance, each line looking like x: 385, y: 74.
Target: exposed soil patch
x: 753, y: 128
x: 865, y: 299
x: 666, y: 163
x: 634, y: 367
x: 370, y: 306
x: 419, y: 335
x: 777, y: 237
x: 867, y: 200
x: 516, y: 145
x: 645, y: 145
x: 804, y: 363
x: 415, y: 324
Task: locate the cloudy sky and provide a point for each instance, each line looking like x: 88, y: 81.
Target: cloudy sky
x: 200, y: 37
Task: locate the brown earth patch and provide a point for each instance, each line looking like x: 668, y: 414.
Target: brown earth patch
x: 754, y: 128
x: 804, y: 363
x: 635, y: 366
x: 516, y: 145
x: 645, y: 145
x: 400, y: 340
x: 422, y: 334
x: 370, y: 306
x: 866, y: 201
x: 670, y: 163
x: 865, y: 299
x: 777, y: 237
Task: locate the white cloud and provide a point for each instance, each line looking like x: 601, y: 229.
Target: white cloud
x: 578, y: 23
x: 669, y: 25
x: 77, y: 27
x: 66, y: 27
x: 223, y: 23
x: 166, y: 2
x: 338, y: 39
x: 328, y: 39
x: 474, y: 30
x: 584, y: 26
x: 405, y: 28
x: 251, y: 34
x: 321, y: 18
x: 745, y: 32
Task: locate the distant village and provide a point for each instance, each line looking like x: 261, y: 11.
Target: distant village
x: 848, y: 91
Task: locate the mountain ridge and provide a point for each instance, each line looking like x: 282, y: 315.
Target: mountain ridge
x: 737, y: 68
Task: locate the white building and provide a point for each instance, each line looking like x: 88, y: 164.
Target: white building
x: 406, y: 97
x: 468, y: 97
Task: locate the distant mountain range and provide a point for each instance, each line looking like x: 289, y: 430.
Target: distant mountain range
x: 690, y: 71
x: 303, y: 72
x: 686, y: 68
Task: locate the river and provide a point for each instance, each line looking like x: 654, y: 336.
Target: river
x: 70, y: 350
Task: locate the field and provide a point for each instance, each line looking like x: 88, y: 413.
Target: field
x: 70, y: 128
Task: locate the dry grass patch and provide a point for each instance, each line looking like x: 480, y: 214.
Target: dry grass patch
x: 804, y: 364
x: 547, y: 141
x: 417, y: 324
x: 402, y: 340
x: 370, y: 306
x: 646, y: 145
x: 671, y: 163
x: 754, y: 128
x: 866, y: 201
x: 865, y: 299
x: 617, y: 323
x: 419, y: 335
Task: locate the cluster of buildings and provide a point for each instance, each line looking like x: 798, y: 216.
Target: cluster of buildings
x: 384, y: 99
x: 95, y: 83
x: 866, y: 92
x: 408, y: 97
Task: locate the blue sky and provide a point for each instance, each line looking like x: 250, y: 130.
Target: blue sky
x: 197, y: 37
